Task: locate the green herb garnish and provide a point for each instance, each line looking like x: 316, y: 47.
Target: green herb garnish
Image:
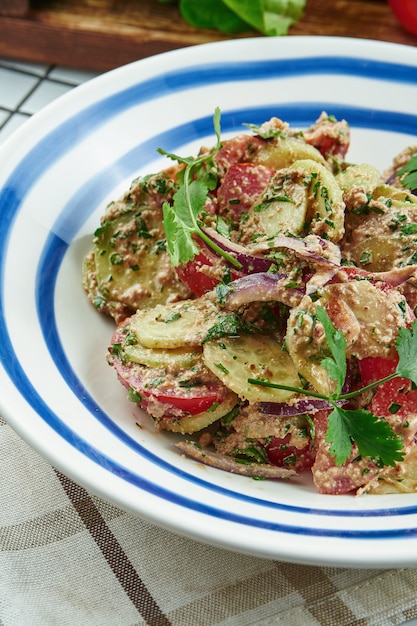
x: 408, y: 173
x: 181, y: 219
x: 373, y: 435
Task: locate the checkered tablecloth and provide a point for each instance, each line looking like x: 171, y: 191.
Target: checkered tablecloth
x: 69, y: 558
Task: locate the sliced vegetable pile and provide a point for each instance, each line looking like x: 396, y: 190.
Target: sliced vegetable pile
x: 264, y: 293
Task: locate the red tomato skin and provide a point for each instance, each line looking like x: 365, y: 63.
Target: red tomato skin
x: 376, y: 368
x: 189, y: 406
x: 394, y: 400
x: 283, y: 455
x: 242, y: 185
x: 406, y: 13
x: 199, y: 274
x: 171, y: 402
x: 192, y: 274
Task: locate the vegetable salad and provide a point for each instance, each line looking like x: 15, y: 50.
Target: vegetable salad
x: 264, y: 295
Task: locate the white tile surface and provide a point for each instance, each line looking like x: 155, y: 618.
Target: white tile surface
x: 14, y: 87
x: 3, y: 116
x: 45, y: 93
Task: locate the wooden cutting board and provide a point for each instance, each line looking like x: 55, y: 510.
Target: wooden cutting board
x: 103, y: 34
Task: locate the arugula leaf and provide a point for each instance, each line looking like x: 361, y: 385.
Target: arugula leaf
x: 336, y: 342
x: 373, y: 437
x: 408, y: 173
x: 406, y: 344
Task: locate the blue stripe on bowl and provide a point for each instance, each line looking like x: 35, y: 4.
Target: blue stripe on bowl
x: 74, y: 214
x: 77, y: 128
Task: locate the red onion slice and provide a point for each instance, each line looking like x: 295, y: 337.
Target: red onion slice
x: 261, y: 287
x: 251, y: 263
x: 282, y: 409
x: 397, y: 276
x: 307, y: 405
x: 311, y: 248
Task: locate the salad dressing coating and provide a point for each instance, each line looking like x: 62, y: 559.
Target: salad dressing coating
x: 261, y: 291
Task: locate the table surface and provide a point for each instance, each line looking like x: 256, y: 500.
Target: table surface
x: 67, y: 557
x: 102, y: 34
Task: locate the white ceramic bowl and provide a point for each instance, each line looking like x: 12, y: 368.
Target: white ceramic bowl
x: 56, y: 175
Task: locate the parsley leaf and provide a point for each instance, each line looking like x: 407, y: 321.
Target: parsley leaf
x: 336, y: 366
x: 408, y: 173
x: 180, y: 222
x: 181, y: 218
x: 406, y: 343
x: 374, y: 437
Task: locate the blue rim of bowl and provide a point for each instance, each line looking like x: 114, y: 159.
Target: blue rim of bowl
x: 36, y: 163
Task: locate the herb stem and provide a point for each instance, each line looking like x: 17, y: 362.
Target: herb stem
x: 305, y: 392
x: 321, y: 396
x: 213, y: 245
x: 357, y: 392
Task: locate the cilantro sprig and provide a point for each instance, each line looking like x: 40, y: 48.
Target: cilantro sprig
x: 372, y: 435
x: 181, y: 218
x: 408, y: 173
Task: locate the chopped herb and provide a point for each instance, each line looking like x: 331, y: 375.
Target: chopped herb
x: 134, y: 396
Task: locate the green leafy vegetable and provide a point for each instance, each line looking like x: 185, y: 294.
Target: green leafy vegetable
x: 181, y: 219
x: 406, y: 344
x: 408, y: 173
x: 269, y: 17
x: 373, y: 436
x: 335, y: 365
x: 212, y: 14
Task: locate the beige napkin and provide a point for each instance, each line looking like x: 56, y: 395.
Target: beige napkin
x: 68, y: 557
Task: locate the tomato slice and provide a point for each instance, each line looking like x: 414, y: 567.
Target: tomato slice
x: 241, y: 186
x: 198, y: 274
x: 189, y: 405
x: 172, y: 400
x: 406, y: 13
x: 376, y: 368
x: 206, y: 271
x: 395, y: 400
x: 281, y: 454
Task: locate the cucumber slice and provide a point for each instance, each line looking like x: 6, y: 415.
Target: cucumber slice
x: 173, y: 326
x: 326, y: 208
x: 195, y: 423
x: 131, y: 266
x: 283, y: 151
x: 128, y: 267
x: 175, y: 359
x: 301, y: 199
x: 235, y: 359
x: 364, y: 176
